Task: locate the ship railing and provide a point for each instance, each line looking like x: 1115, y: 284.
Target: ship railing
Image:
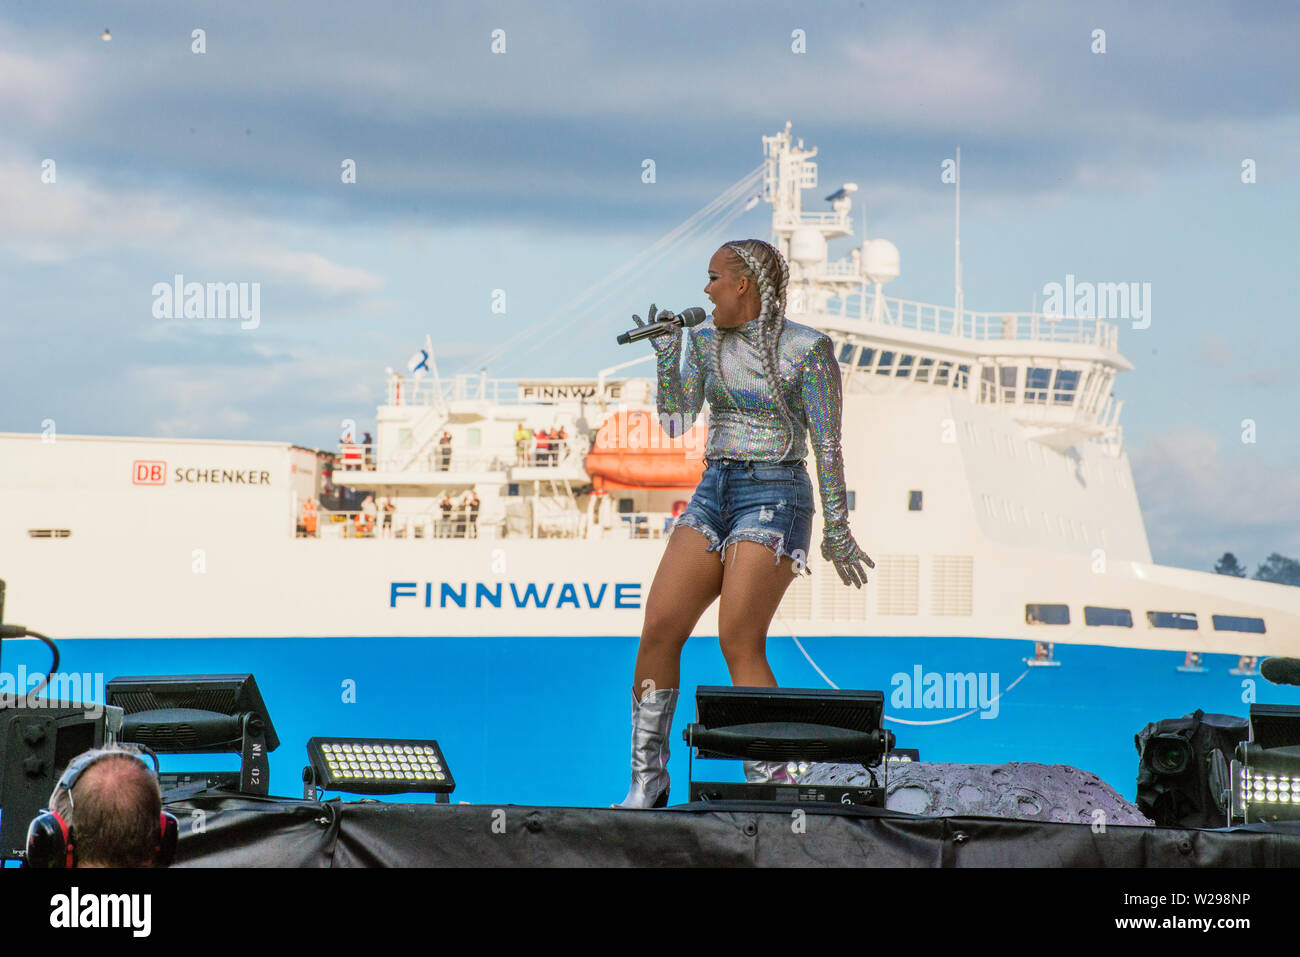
x: 557, y: 452
x: 460, y: 522
x: 407, y: 390
x: 357, y: 457
x: 840, y: 269
x: 495, y: 458
x: 647, y: 524
x: 823, y: 218
x: 980, y: 326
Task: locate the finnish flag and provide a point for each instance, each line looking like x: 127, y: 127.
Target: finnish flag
x: 418, y: 364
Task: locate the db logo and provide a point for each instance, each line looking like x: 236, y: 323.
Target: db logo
x: 148, y: 473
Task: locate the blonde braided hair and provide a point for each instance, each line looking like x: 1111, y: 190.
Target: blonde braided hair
x: 767, y: 268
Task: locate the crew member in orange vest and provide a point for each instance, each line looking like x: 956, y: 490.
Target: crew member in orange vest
x: 309, y: 518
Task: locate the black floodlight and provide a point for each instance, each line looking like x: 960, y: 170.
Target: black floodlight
x: 788, y: 724
x: 795, y: 725
x: 1266, y: 772
x: 200, y: 714
x: 378, y: 766
x: 1275, y: 725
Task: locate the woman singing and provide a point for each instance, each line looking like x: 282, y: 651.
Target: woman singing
x: 767, y: 381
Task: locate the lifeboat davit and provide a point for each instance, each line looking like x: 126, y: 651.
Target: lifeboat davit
x: 632, y: 451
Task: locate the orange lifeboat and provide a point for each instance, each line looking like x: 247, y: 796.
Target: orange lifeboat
x: 632, y: 451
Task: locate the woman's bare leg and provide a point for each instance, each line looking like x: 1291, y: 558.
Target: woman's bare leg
x: 688, y: 579
x: 752, y: 588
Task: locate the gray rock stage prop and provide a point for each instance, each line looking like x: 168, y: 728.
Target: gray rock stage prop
x: 1026, y: 792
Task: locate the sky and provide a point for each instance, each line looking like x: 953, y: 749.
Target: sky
x: 500, y: 146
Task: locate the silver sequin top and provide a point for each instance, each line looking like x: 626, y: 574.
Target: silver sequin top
x: 754, y: 428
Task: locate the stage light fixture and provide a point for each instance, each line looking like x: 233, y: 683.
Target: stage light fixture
x: 377, y: 766
x: 200, y: 714
x: 903, y: 756
x: 798, y: 726
x: 1266, y: 769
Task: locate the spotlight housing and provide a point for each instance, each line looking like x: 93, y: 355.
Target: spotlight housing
x: 378, y: 766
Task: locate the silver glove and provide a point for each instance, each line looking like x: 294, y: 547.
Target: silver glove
x: 843, y: 552
x: 662, y: 343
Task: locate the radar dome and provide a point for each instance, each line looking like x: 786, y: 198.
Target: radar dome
x: 879, y: 260
x: 807, y: 246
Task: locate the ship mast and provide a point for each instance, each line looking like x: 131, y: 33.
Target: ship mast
x: 957, y: 292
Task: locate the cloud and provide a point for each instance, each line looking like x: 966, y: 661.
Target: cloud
x: 274, y: 399
x: 37, y: 91
x: 1216, y: 351
x: 557, y: 126
x: 1271, y: 375
x: 1199, y: 500
x: 74, y: 215
x: 73, y: 218
x: 310, y: 269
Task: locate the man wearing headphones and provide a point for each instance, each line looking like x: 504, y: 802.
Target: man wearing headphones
x: 106, y: 811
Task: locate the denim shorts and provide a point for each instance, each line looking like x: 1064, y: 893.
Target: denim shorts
x: 766, y: 502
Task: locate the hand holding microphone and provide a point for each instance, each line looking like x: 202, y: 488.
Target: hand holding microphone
x: 664, y: 330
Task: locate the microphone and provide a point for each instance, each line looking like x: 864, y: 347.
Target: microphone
x: 1281, y: 671
x: 660, y: 327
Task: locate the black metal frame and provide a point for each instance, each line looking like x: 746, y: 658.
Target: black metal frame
x: 795, y: 724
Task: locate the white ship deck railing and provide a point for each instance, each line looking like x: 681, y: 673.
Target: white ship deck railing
x: 406, y: 525
x: 830, y: 218
x: 979, y: 326
x: 458, y: 524
x: 647, y: 524
x: 423, y: 391
x: 559, y: 454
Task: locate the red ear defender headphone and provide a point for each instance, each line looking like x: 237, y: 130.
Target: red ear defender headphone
x: 50, y: 839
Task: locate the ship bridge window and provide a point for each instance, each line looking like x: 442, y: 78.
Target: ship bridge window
x: 988, y: 391
x: 1008, y: 376
x: 846, y: 352
x: 905, y: 365
x: 923, y: 370
x: 1036, y: 385
x: 914, y: 501
x: 1238, y: 623
x: 1183, y: 620
x: 626, y: 506
x: 512, y: 489
x: 1067, y: 382
x: 1111, y: 617
x: 886, y: 362
x: 941, y: 373
x: 865, y: 357
x: 963, y: 372
x: 1047, y: 614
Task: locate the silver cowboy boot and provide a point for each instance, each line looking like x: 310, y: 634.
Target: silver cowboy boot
x: 768, y: 772
x: 652, y: 720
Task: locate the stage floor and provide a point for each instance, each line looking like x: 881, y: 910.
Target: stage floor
x: 221, y: 830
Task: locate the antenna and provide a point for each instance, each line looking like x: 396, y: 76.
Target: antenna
x: 957, y: 294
